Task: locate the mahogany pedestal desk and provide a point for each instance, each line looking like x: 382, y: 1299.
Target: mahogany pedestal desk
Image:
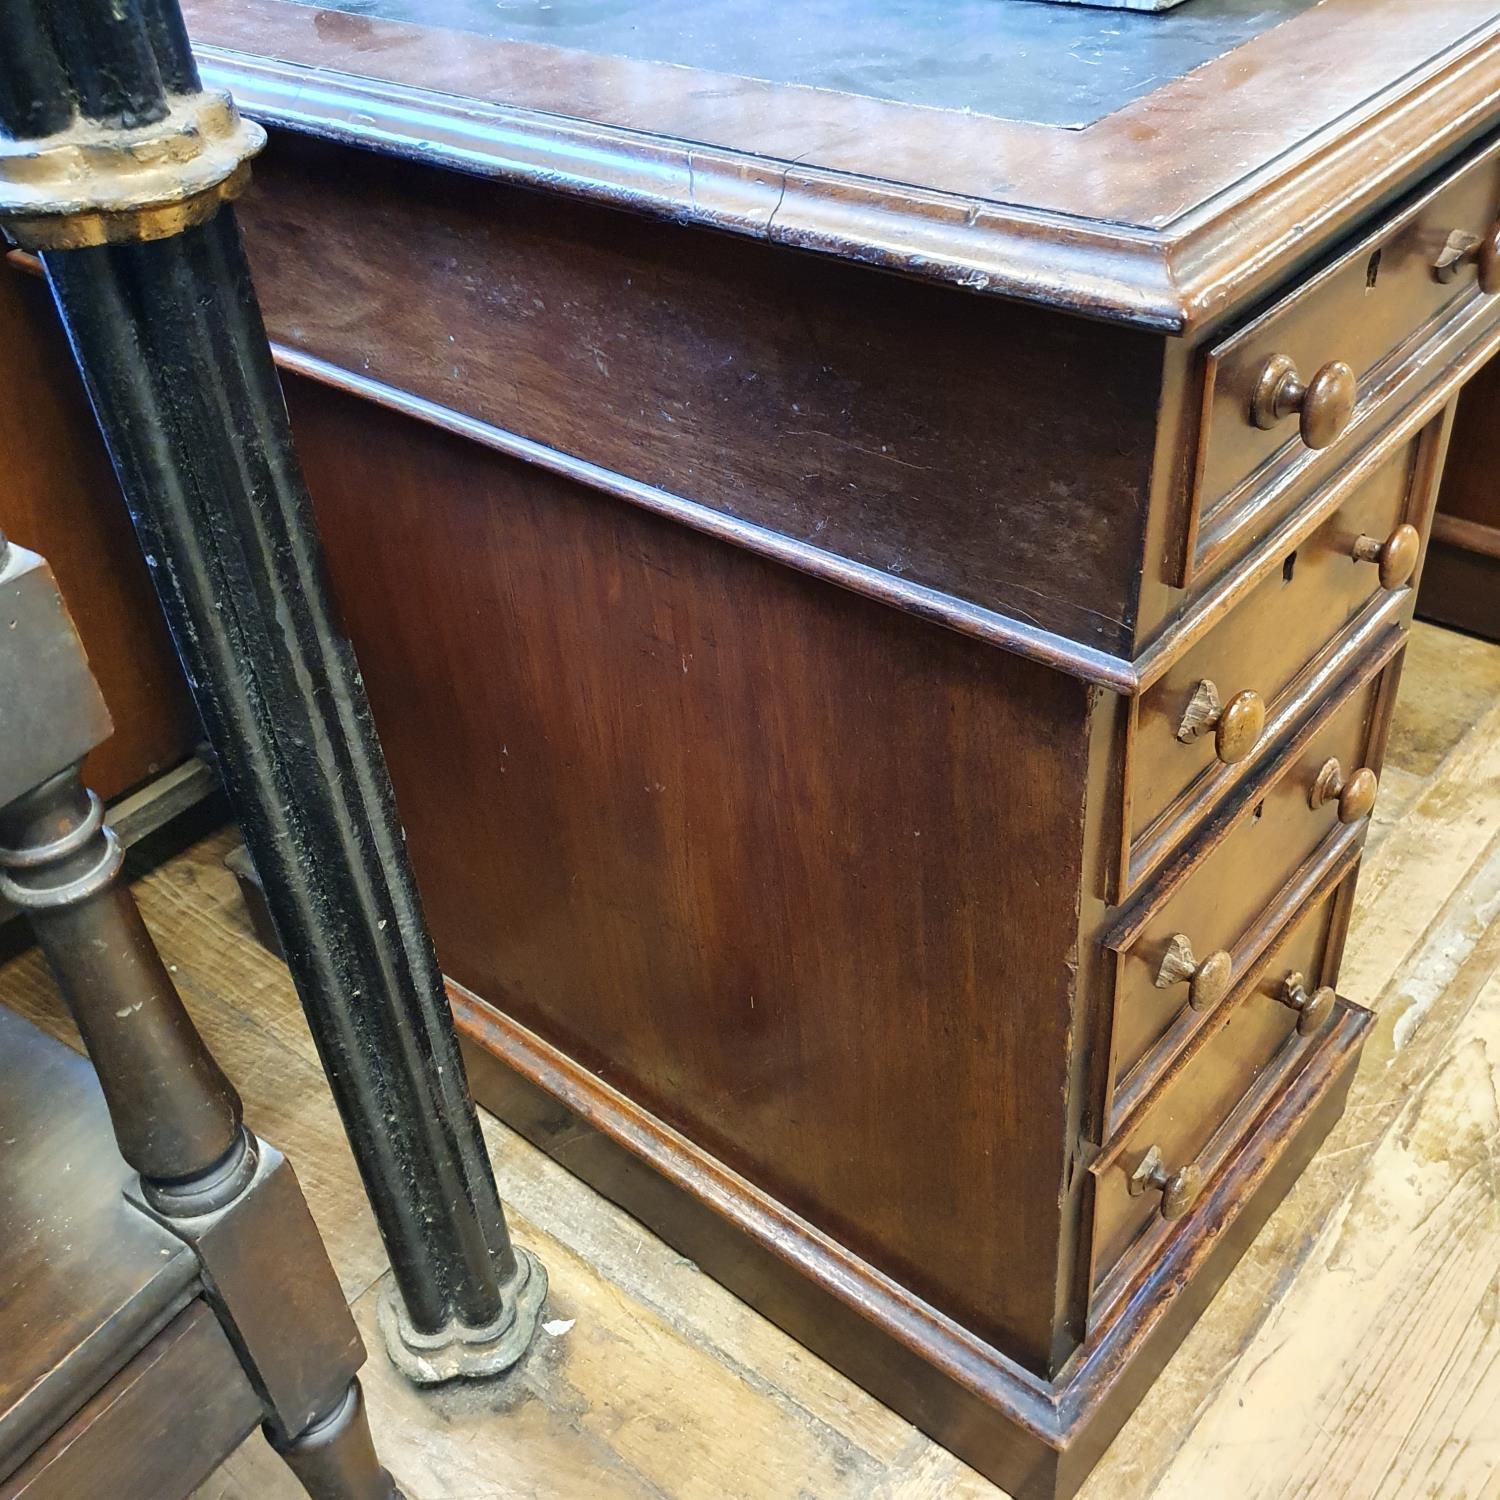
x: 881, y: 542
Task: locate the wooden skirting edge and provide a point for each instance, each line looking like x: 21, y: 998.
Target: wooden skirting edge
x: 163, y: 798
x: 958, y: 1353
x: 1036, y: 1437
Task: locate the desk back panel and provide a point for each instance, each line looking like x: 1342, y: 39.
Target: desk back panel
x: 59, y: 497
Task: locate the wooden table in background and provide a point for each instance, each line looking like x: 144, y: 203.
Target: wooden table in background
x: 58, y: 496
x: 1461, y: 585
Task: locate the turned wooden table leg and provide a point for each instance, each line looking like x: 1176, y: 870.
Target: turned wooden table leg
x: 334, y: 1457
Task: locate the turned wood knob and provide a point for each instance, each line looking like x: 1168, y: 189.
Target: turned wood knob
x: 1179, y: 1190
x: 1355, y: 796
x: 1237, y: 725
x: 1323, y: 405
x: 1207, y: 982
x: 1396, y: 555
x: 1481, y: 250
x: 1313, y: 1007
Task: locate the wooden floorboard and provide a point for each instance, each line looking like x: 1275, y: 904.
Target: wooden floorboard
x: 1353, y: 1355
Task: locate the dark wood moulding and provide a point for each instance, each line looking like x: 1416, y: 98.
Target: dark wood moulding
x: 1141, y: 216
x: 1038, y: 1438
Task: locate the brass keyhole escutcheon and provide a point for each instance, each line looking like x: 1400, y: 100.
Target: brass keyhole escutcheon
x: 1313, y: 1007
x: 1396, y: 556
x: 1208, y: 981
x: 1355, y: 794
x: 1482, y: 251
x: 1323, y: 405
x: 1179, y: 1190
x: 1237, y: 725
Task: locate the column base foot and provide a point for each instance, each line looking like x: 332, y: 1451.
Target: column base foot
x: 459, y: 1352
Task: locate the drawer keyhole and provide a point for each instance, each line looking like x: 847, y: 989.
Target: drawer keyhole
x: 1207, y: 980
x: 1179, y: 1190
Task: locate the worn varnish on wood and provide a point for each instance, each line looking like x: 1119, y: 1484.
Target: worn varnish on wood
x: 104, y: 1312
x: 773, y: 654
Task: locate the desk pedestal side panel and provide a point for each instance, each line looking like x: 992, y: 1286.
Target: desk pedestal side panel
x: 59, y: 497
x: 1461, y: 582
x: 768, y: 907
x: 792, y: 871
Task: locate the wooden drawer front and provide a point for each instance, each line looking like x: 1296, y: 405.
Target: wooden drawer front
x: 1218, y: 895
x: 1274, y: 638
x: 1371, y: 310
x: 1212, y: 1096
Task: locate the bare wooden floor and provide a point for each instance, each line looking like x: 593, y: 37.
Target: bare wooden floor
x: 1354, y: 1355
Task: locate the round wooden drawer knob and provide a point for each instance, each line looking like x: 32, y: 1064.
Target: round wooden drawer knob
x: 1313, y: 1007
x: 1179, y: 1190
x: 1323, y: 405
x: 1237, y: 725
x: 1240, y: 726
x: 1354, y: 795
x: 1396, y: 555
x: 1207, y: 981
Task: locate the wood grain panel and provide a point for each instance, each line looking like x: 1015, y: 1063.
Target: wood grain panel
x: 743, y: 844
x: 159, y: 1428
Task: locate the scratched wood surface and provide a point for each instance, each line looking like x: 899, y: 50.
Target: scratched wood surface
x: 1354, y: 1354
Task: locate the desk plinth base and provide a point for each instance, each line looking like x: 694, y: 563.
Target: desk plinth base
x: 1036, y: 1438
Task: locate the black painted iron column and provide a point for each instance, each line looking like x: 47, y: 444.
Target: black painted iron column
x: 153, y: 287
